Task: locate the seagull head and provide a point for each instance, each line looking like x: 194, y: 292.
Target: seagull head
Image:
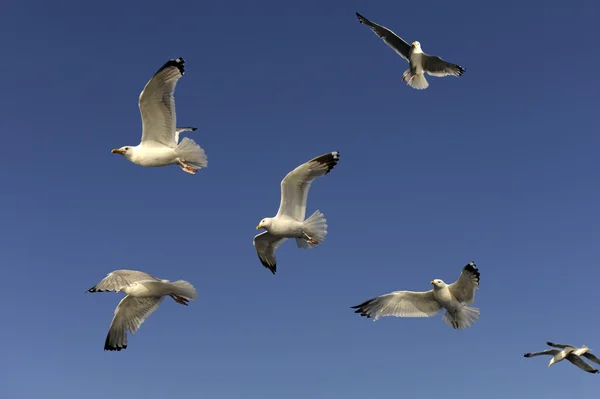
x: 416, y: 45
x: 437, y: 283
x: 125, y: 151
x: 264, y: 224
x: 552, y: 361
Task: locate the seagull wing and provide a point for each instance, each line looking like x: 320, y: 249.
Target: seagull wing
x: 266, y: 244
x: 577, y: 361
x: 295, y: 185
x: 117, y: 280
x: 591, y: 357
x: 389, y: 37
x: 563, y: 346
x: 157, y: 104
x: 550, y: 352
x: 400, y: 304
x: 435, y: 66
x: 129, y: 316
x: 464, y: 288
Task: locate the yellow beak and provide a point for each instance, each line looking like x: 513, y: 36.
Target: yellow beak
x: 259, y: 227
x: 118, y: 151
x: 414, y: 44
x: 433, y: 283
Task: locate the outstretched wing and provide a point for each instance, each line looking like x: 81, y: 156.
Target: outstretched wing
x: 389, y: 37
x: 563, y: 346
x: 129, y: 316
x: 550, y: 352
x: 435, y: 66
x: 295, y: 185
x: 591, y: 357
x: 183, y: 129
x: 464, y: 288
x: 266, y: 244
x: 577, y: 361
x: 157, y: 104
x: 117, y: 280
x: 400, y: 304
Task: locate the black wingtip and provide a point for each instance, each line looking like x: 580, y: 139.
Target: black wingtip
x: 471, y: 267
x: 361, y: 19
x: 527, y: 355
x: 108, y: 347
x: 194, y: 129
x: 178, y: 63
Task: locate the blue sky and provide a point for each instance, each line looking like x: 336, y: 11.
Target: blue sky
x: 499, y: 166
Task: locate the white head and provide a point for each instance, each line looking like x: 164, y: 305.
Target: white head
x: 437, y: 284
x: 126, y: 151
x: 416, y: 47
x: 264, y: 224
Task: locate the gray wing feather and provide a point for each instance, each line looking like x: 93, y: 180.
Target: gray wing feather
x: 577, y: 361
x: 157, y: 104
x: 464, y: 288
x: 266, y: 244
x: 563, y: 346
x: 550, y: 352
x: 129, y: 316
x: 591, y: 357
x: 435, y: 66
x: 118, y: 279
x: 400, y: 304
x: 389, y: 37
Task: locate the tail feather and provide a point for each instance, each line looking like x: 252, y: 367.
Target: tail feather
x: 190, y: 152
x: 185, y: 289
x: 316, y: 227
x: 417, y: 81
x: 464, y: 318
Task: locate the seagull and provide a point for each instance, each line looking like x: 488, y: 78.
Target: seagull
x: 453, y: 298
x: 419, y: 61
x: 289, y: 221
x: 571, y: 353
x: 160, y: 144
x: 583, y: 351
x: 144, y: 294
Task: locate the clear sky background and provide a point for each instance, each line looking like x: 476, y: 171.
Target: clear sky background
x: 499, y: 166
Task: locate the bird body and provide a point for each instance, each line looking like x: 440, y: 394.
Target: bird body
x: 144, y: 294
x: 160, y: 145
x: 420, y: 62
x: 453, y: 298
x: 569, y: 352
x: 290, y: 220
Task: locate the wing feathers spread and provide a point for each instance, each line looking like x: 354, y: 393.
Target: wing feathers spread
x: 389, y: 37
x: 400, y: 304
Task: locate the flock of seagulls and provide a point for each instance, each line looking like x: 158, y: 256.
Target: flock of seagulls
x: 160, y: 146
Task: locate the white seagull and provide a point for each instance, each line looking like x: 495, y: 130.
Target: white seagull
x: 453, y: 298
x: 289, y: 221
x: 144, y: 294
x: 418, y: 60
x: 569, y: 352
x: 160, y: 144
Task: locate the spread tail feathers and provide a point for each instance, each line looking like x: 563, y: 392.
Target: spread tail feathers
x: 316, y: 227
x: 416, y: 81
x: 191, y: 153
x: 464, y: 318
x: 185, y: 289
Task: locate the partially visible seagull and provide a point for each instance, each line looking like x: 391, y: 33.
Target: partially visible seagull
x: 144, y: 294
x: 289, y: 221
x: 419, y: 61
x: 582, y: 351
x: 160, y: 144
x: 453, y: 298
x: 571, y: 353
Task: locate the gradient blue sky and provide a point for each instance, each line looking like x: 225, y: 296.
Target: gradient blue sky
x: 499, y: 166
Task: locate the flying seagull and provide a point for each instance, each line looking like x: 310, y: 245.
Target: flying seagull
x: 453, y: 298
x: 583, y: 351
x: 418, y: 60
x: 144, y: 294
x: 289, y: 221
x: 160, y: 144
x: 571, y: 353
